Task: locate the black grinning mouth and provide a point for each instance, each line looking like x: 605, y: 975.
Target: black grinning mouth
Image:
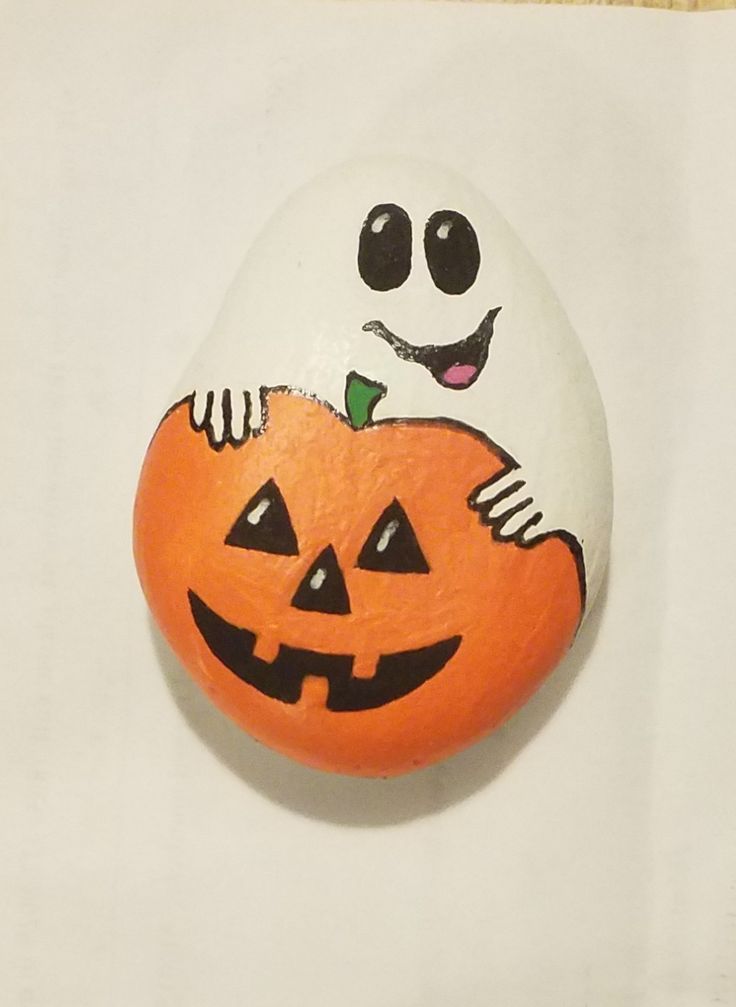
x: 282, y: 679
x: 456, y: 365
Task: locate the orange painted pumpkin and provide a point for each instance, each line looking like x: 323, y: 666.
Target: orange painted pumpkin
x: 334, y: 593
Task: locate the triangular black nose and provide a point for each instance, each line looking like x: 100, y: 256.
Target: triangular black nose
x: 323, y: 588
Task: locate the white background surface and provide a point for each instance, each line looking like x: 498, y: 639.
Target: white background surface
x: 585, y: 855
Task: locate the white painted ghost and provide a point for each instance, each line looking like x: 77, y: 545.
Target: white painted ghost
x: 403, y: 272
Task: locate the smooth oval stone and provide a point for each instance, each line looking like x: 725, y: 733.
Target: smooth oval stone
x: 379, y: 505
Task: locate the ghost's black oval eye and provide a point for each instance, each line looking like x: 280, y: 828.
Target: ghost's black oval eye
x: 452, y: 251
x: 384, y: 250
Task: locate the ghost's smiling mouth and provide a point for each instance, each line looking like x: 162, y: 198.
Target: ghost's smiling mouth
x: 282, y: 679
x: 456, y: 365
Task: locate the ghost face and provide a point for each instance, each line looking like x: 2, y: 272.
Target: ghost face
x: 453, y: 259
x: 379, y: 267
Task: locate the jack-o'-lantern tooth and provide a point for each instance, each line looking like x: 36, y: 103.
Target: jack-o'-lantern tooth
x: 364, y: 665
x: 315, y: 691
x: 266, y: 647
x: 323, y: 587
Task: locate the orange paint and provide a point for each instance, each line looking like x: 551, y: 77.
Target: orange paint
x: 515, y: 608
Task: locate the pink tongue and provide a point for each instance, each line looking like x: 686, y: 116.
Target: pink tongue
x: 459, y: 374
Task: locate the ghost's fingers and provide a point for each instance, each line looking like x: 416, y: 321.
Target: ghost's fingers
x: 510, y: 522
x: 257, y: 413
x: 202, y: 403
x: 528, y: 529
x: 505, y: 498
x: 239, y: 421
x: 496, y: 489
x: 220, y: 417
x: 223, y: 417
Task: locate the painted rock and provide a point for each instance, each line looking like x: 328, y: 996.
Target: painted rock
x: 379, y: 506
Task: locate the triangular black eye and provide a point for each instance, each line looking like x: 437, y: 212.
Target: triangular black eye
x: 323, y: 587
x: 392, y: 545
x: 264, y: 524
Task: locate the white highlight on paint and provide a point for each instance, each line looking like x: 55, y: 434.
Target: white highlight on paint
x: 444, y: 229
x: 380, y: 222
x: 386, y: 535
x: 318, y: 578
x: 254, y: 516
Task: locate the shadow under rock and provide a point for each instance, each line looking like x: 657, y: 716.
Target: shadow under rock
x: 355, y: 801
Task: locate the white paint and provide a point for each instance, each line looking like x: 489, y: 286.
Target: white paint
x: 255, y: 515
x: 377, y: 225
x: 318, y: 578
x: 386, y: 535
x: 295, y: 316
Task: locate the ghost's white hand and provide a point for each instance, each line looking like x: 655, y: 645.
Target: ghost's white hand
x: 226, y: 417
x: 507, y: 506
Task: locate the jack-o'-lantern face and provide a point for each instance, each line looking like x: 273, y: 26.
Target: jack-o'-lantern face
x: 391, y: 547
x: 333, y: 592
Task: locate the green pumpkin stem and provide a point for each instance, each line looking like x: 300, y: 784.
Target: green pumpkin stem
x: 362, y: 395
